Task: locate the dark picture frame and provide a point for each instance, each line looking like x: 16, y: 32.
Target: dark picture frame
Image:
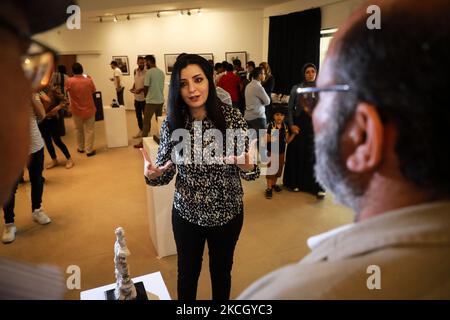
x: 123, y: 64
x: 241, y: 55
x: 207, y: 56
x: 169, y: 61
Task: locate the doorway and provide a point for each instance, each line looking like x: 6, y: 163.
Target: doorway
x: 67, y: 60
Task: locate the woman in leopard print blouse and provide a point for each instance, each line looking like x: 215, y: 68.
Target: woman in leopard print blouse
x: 208, y: 204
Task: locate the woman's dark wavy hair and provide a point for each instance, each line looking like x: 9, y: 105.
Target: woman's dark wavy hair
x: 177, y: 110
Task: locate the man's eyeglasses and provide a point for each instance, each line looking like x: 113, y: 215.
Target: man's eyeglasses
x: 38, y: 61
x: 332, y: 88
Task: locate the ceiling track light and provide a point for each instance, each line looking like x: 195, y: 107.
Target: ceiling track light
x: 181, y: 12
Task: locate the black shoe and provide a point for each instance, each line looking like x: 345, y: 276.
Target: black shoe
x: 80, y: 151
x: 277, y: 188
x: 90, y: 154
x: 268, y: 193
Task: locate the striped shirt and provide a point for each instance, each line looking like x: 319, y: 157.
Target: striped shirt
x: 36, y: 141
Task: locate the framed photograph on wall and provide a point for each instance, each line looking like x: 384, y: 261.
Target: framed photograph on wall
x: 124, y: 66
x: 241, y: 55
x: 207, y: 56
x: 169, y: 60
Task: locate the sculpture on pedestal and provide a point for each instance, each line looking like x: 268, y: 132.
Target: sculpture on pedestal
x: 125, y: 289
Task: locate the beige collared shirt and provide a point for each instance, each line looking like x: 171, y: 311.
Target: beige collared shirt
x: 410, y: 246
x: 139, y: 77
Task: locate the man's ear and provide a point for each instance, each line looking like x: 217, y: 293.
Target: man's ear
x: 364, y: 134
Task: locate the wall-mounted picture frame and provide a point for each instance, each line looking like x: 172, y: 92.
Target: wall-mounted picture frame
x: 123, y: 64
x: 241, y: 55
x: 169, y: 60
x: 207, y: 56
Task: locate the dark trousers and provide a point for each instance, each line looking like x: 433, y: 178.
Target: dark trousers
x: 257, y: 124
x: 268, y: 111
x: 190, y: 240
x: 120, y: 96
x: 35, y: 167
x: 50, y: 130
x: 139, y: 107
x: 150, y: 110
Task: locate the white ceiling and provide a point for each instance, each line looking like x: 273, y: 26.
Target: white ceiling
x: 91, y: 8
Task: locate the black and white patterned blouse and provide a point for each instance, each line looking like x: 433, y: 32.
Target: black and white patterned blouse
x: 205, y: 194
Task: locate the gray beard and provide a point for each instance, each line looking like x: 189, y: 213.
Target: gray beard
x: 331, y: 172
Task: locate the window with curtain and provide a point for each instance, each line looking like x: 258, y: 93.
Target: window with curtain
x: 294, y: 39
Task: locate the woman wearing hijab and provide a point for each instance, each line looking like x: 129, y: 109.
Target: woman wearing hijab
x: 299, y: 167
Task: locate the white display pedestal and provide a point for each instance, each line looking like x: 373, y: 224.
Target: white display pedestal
x: 115, y: 126
x: 153, y: 283
x: 159, y: 207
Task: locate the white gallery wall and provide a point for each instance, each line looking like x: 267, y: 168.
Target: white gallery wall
x: 212, y: 32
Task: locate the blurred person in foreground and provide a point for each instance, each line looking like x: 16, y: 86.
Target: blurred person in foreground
x: 28, y: 64
x: 381, y: 132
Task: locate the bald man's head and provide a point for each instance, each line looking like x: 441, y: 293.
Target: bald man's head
x: 402, y: 69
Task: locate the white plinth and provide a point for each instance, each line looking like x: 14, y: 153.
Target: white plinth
x: 115, y: 126
x: 153, y: 283
x: 159, y: 207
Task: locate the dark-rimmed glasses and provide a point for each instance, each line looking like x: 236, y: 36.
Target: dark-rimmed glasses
x: 331, y: 88
x: 39, y: 59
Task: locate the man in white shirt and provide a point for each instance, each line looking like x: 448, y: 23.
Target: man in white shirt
x: 256, y: 99
x: 154, y: 95
x: 117, y: 79
x: 139, y: 95
x: 224, y: 96
x: 381, y: 144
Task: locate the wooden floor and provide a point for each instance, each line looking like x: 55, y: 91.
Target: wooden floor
x: 87, y: 203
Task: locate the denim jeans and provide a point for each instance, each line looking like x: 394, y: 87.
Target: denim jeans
x: 120, y: 96
x: 35, y: 168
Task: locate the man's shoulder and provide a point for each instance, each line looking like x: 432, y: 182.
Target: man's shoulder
x: 388, y: 273
x: 220, y: 91
x: 301, y: 281
x: 74, y: 79
x: 155, y: 72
